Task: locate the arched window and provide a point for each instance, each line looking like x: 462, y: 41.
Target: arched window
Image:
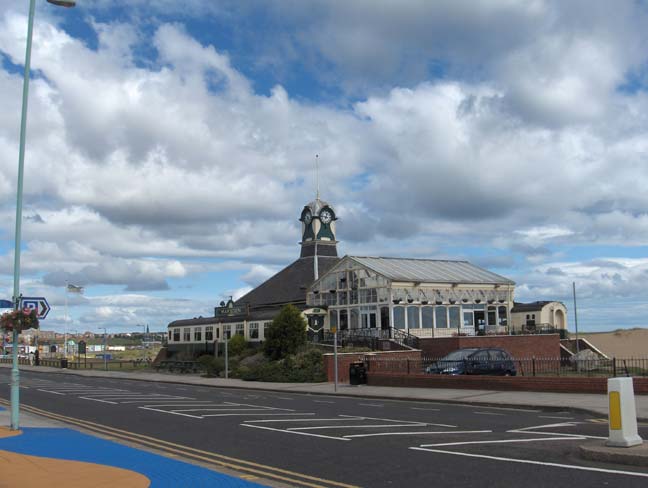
x: 399, y: 317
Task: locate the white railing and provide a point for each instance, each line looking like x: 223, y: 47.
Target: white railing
x: 425, y: 333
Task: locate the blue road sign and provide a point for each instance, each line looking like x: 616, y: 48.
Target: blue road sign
x: 6, y: 304
x: 38, y: 303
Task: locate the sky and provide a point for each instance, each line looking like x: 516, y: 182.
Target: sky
x: 171, y: 147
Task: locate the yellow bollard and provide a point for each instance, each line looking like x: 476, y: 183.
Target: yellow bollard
x: 622, y: 419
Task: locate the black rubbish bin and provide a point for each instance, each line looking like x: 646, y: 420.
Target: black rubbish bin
x: 64, y: 363
x: 357, y: 373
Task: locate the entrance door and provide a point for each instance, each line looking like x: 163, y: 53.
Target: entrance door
x: 368, y: 320
x: 480, y: 322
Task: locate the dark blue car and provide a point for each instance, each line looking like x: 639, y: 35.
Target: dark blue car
x: 491, y: 361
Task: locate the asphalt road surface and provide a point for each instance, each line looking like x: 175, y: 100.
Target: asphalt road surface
x: 339, y: 441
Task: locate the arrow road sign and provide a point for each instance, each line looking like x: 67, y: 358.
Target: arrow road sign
x: 38, y: 303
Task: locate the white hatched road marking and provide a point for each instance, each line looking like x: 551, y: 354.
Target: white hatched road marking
x: 305, y: 420
x: 504, y: 441
x: 421, y: 433
x: 489, y: 413
x: 404, y: 421
x: 54, y: 392
x: 426, y: 409
x: 171, y: 412
x: 529, y: 461
x: 97, y: 400
x: 264, y: 413
x: 554, y: 417
x: 297, y: 433
x: 356, y: 426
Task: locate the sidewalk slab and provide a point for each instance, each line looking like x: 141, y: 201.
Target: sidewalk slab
x: 598, y: 451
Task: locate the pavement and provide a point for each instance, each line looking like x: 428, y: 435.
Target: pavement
x: 50, y: 450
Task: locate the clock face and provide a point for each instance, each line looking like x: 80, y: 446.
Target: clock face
x: 308, y: 218
x: 326, y: 216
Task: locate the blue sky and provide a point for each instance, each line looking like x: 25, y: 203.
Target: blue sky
x: 171, y: 147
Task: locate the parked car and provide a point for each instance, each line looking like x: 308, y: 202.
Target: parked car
x: 491, y: 361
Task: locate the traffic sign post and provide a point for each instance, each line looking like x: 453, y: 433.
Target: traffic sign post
x: 36, y: 303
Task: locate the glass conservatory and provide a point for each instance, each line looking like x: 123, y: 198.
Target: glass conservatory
x: 427, y: 298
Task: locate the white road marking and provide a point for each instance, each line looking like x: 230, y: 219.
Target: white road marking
x: 402, y: 421
x: 489, y: 413
x: 208, y: 409
x: 97, y: 400
x: 528, y: 461
x: 305, y: 420
x: 192, y: 404
x: 322, y: 401
x: 426, y: 409
x: 419, y: 433
x: 54, y: 392
x: 504, y: 441
x: 355, y: 426
x: 252, y: 414
x: 552, y: 417
x: 296, y: 433
x: 370, y: 405
x: 145, y: 400
x: 171, y: 412
x: 283, y: 398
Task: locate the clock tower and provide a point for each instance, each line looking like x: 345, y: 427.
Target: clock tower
x: 318, y: 229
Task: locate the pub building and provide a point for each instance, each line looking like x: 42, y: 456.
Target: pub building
x: 424, y: 297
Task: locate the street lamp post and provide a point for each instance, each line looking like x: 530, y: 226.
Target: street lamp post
x: 15, y: 375
x: 105, y: 349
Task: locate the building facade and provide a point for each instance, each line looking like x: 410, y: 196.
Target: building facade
x: 426, y: 298
x: 538, y: 316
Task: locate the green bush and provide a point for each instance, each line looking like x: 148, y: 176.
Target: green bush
x: 304, y: 367
x: 286, y: 334
x: 236, y: 345
x: 211, y: 365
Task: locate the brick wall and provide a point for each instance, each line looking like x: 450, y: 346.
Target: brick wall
x: 521, y: 346
x: 345, y: 360
x: 500, y: 383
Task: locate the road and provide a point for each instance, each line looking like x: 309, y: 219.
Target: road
x: 329, y: 441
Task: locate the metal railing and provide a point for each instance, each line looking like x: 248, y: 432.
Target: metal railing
x: 635, y: 367
x: 111, y: 364
x: 365, y: 337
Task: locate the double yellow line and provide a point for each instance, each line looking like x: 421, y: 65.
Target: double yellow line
x: 247, y: 468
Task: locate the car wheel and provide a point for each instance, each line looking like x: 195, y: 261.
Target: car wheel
x: 508, y: 373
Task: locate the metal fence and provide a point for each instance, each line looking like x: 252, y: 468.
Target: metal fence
x: 636, y: 367
x: 111, y: 364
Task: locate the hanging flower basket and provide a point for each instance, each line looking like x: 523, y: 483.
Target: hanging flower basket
x: 19, y: 320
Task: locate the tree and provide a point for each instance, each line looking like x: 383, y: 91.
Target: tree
x: 237, y: 345
x: 286, y: 333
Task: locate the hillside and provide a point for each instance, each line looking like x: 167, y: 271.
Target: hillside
x: 622, y: 343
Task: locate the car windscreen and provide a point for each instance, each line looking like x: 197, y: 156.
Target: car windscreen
x: 458, y: 355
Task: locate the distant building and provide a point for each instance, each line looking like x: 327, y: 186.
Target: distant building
x: 538, y: 316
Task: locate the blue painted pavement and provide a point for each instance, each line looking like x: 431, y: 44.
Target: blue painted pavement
x: 71, y: 445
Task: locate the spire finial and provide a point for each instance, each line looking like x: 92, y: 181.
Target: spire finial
x: 317, y: 175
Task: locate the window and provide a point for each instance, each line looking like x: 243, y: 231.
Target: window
x: 187, y: 334
x: 355, y: 319
x: 176, y: 335
x: 353, y: 296
x: 468, y: 318
x: 240, y: 329
x: 428, y: 317
x: 254, y: 330
x: 344, y: 320
x: 413, y: 318
x: 491, y: 316
x: 528, y: 316
x: 227, y: 331
x: 333, y: 318
x: 197, y: 334
x: 399, y: 317
x: 533, y: 316
x: 454, y: 317
x: 170, y: 335
x: 342, y: 298
x: 266, y: 328
x: 441, y: 317
x: 501, y: 315
x: 209, y: 333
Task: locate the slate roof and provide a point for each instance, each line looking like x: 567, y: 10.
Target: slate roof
x: 529, y: 307
x: 431, y: 270
x: 288, y: 285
